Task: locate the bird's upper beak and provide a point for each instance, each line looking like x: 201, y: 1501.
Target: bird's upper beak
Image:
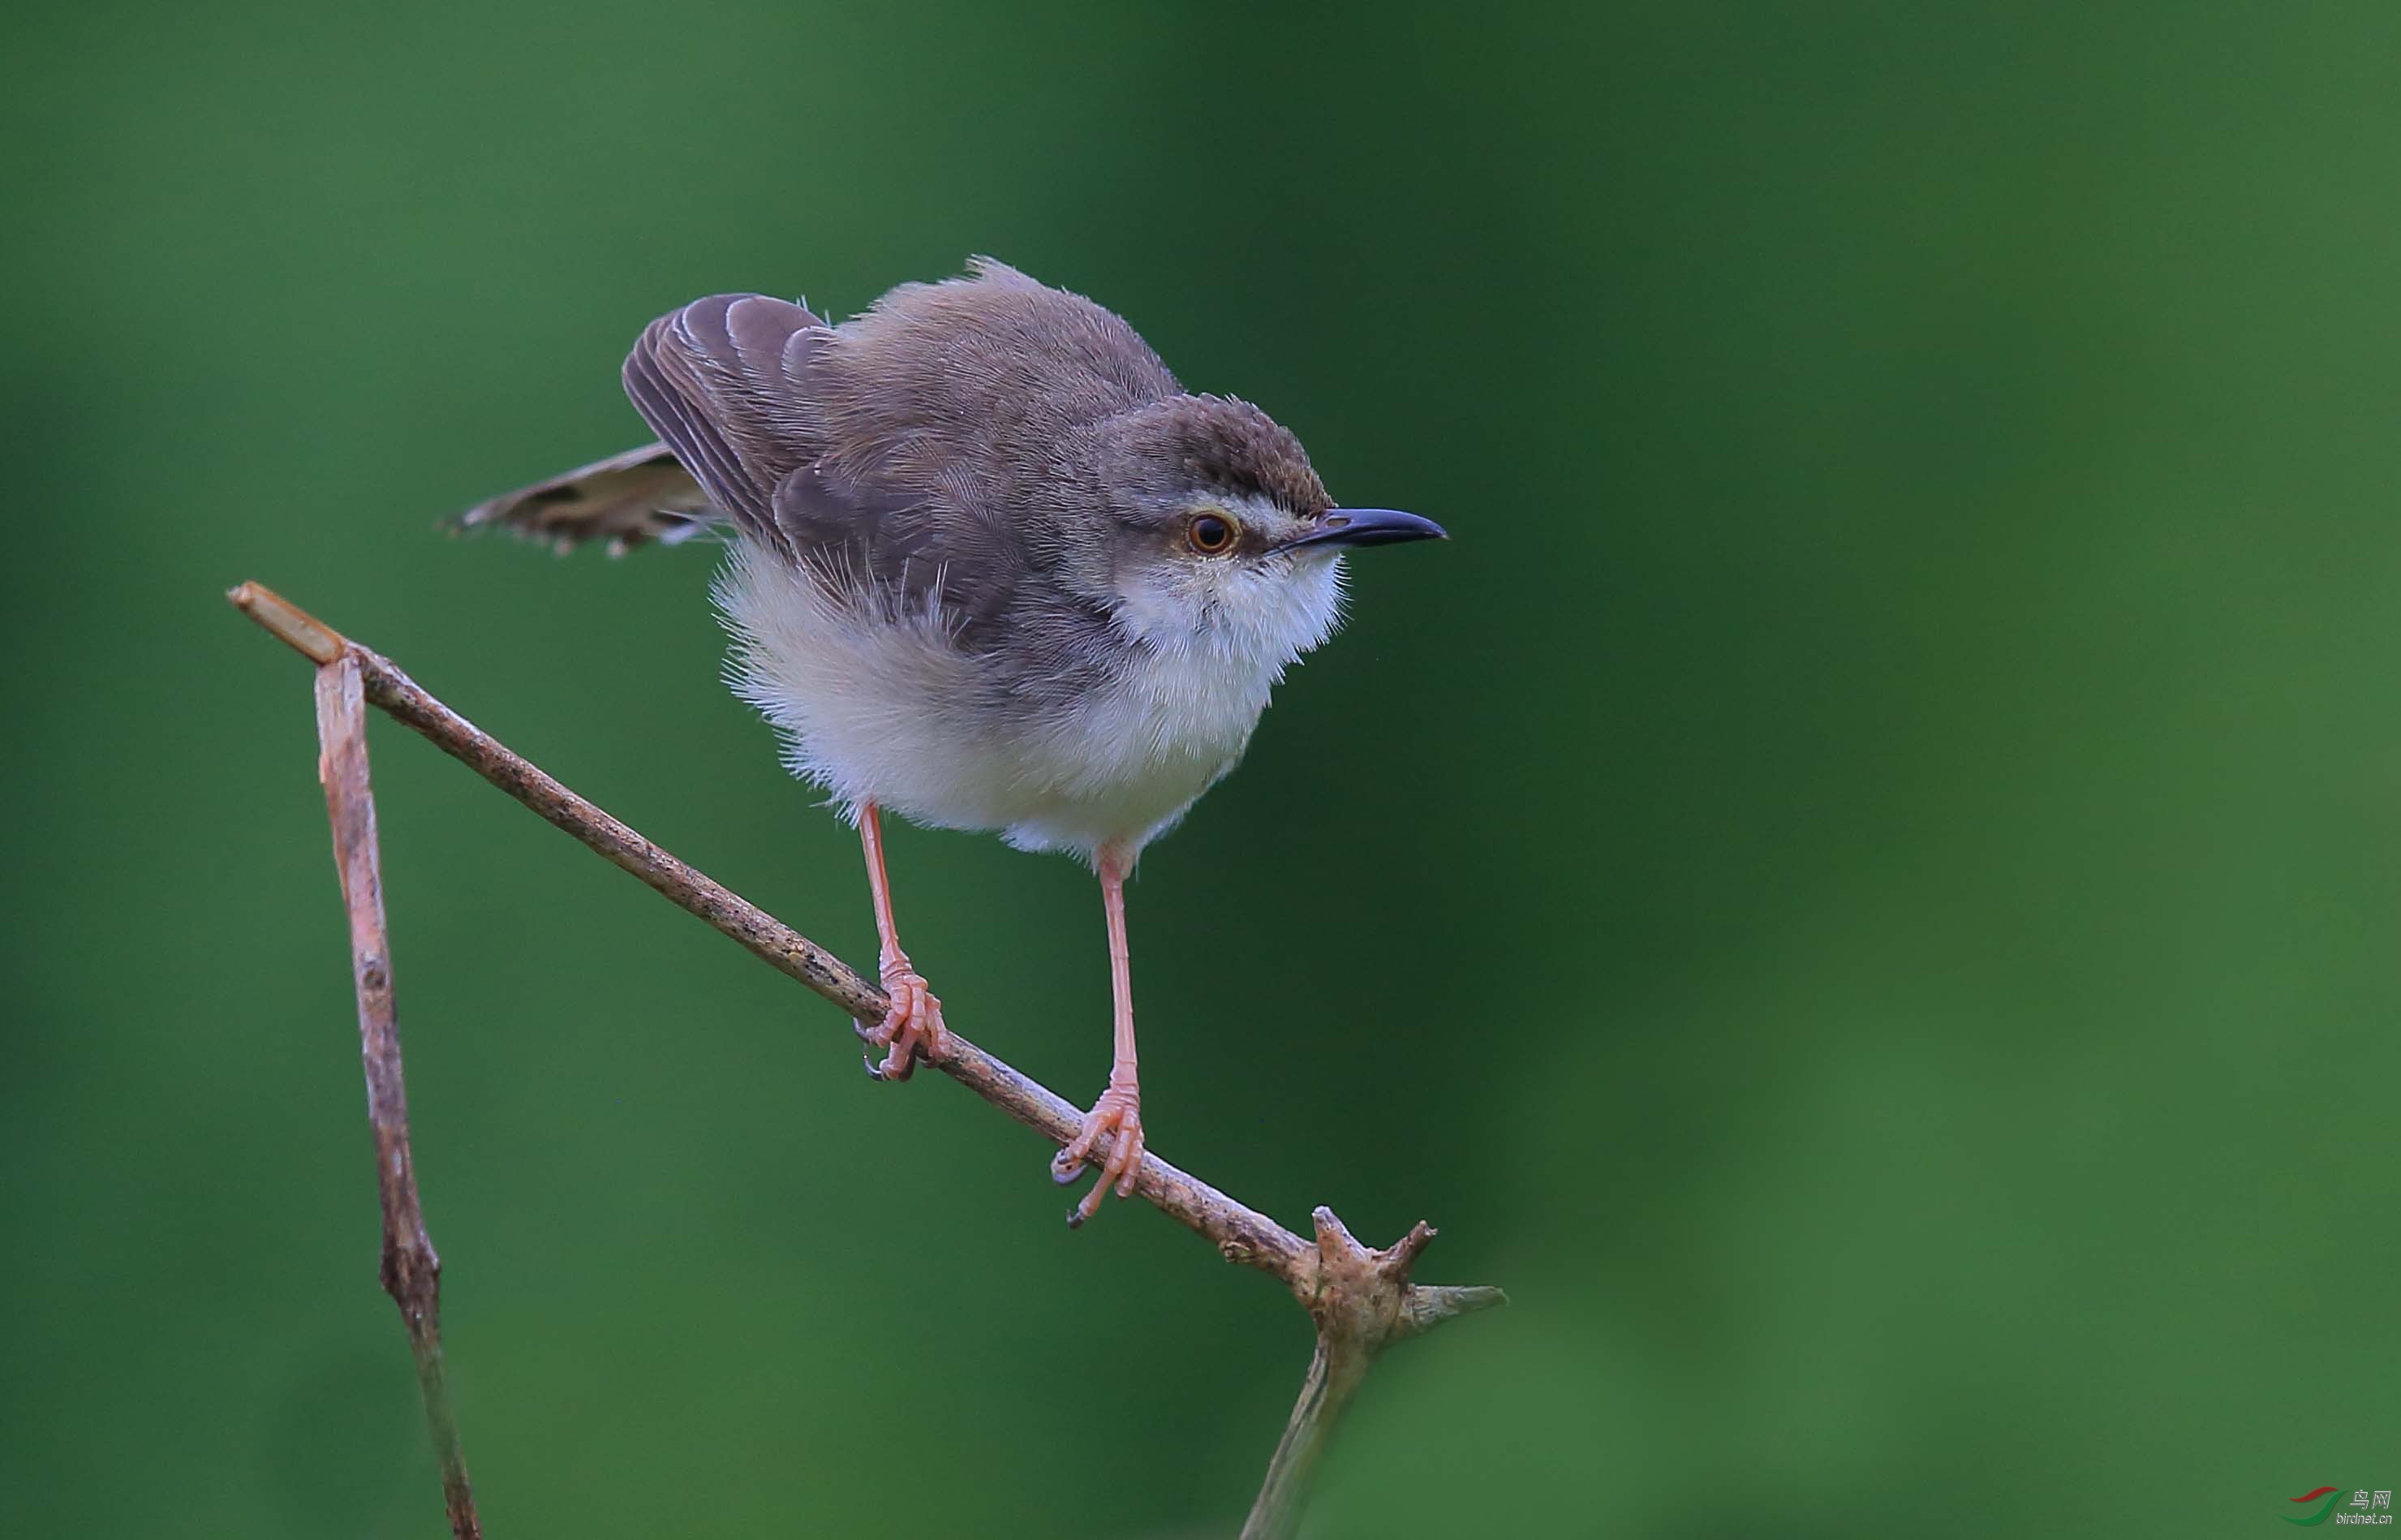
x: 1365, y: 527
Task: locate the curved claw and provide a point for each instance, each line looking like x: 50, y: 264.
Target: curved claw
x: 912, y: 1029
x: 1120, y: 1112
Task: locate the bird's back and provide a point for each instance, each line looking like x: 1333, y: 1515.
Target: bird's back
x: 965, y: 392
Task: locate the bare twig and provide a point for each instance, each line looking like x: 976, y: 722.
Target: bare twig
x: 412, y: 1273
x: 1361, y: 1301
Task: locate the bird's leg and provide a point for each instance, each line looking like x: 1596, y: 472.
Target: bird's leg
x: 914, y: 1023
x: 1119, y: 1112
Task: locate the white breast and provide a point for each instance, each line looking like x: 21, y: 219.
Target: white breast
x: 875, y: 710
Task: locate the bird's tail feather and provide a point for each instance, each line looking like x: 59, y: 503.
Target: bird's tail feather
x: 626, y: 500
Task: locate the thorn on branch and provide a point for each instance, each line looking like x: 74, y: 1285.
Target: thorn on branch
x: 1403, y: 1252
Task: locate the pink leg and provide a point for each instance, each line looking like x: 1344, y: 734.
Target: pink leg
x: 915, y: 1023
x: 1119, y: 1112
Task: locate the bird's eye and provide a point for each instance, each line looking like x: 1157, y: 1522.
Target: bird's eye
x: 1211, y: 534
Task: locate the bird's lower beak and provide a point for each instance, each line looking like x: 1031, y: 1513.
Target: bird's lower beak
x: 1366, y: 527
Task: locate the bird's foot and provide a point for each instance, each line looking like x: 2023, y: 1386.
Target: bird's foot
x: 1119, y: 1113
x: 913, y: 1028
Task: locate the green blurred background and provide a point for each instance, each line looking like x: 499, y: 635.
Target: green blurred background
x: 1860, y: 885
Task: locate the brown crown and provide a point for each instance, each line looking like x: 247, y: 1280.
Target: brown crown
x: 1234, y: 444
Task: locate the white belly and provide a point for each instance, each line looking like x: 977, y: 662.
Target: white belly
x: 884, y: 711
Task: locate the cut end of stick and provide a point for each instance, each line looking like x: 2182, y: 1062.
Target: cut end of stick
x: 302, y: 632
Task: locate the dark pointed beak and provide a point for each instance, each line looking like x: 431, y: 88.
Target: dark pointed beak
x: 1367, y: 526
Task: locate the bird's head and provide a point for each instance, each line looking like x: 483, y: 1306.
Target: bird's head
x: 1222, y: 538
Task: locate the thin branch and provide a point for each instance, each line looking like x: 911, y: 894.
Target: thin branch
x: 412, y: 1272
x: 1243, y: 1234
x: 1361, y: 1301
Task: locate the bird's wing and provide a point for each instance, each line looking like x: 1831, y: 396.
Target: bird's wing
x: 641, y: 495
x: 746, y: 391
x: 722, y: 380
x: 886, y: 539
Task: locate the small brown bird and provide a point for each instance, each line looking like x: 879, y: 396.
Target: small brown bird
x: 992, y: 568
